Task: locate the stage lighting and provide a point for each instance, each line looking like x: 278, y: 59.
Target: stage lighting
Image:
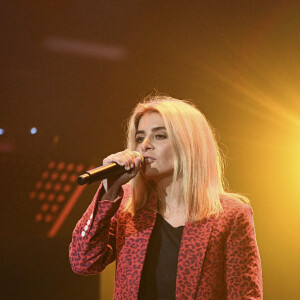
x: 33, y: 130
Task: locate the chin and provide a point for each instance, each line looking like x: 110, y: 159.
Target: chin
x: 154, y: 175
x: 150, y: 174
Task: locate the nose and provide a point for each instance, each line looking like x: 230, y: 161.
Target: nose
x: 146, y: 145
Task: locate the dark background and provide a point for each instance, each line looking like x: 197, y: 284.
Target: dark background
x: 75, y: 70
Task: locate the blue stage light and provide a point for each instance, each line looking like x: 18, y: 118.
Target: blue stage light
x: 33, y: 130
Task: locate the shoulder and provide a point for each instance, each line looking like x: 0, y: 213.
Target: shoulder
x: 235, y: 208
x: 232, y: 204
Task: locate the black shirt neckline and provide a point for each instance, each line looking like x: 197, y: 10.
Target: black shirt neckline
x: 167, y: 223
x: 158, y: 279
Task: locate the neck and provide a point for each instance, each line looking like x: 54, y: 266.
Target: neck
x: 170, y: 201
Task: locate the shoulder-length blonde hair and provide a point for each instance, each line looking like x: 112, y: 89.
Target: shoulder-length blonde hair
x: 197, y: 158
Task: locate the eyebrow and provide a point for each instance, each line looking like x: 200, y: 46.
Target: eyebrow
x: 153, y: 130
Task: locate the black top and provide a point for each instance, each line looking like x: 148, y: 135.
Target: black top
x: 158, y: 280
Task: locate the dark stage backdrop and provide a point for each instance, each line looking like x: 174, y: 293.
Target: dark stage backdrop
x: 40, y: 204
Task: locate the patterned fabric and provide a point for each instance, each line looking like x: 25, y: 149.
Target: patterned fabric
x: 218, y: 259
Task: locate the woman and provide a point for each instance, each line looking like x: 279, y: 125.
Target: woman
x: 174, y: 231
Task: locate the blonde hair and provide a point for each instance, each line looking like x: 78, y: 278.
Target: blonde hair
x: 197, y: 157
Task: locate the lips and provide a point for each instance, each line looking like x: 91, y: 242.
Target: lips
x: 148, y: 159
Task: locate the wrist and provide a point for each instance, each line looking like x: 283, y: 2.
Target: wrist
x: 112, y: 193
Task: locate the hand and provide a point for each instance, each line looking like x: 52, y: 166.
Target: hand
x: 131, y: 162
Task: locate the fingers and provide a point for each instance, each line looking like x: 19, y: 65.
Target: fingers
x: 129, y: 156
x: 113, y: 158
x: 138, y: 162
x: 131, y: 162
x: 126, y: 158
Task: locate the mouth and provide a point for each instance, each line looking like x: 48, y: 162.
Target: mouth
x: 149, y: 160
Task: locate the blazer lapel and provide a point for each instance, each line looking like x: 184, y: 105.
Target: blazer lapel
x: 138, y: 233
x: 195, y: 238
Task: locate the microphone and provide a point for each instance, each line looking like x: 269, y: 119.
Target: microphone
x: 103, y: 172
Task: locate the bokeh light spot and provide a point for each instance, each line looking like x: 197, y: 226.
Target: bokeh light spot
x: 54, y: 208
x: 48, y: 218
x: 57, y: 186
x: 67, y: 188
x: 38, y: 185
x: 51, y: 197
x: 45, y: 207
x: 45, y: 174
x: 54, y: 176
x: 48, y: 186
x: 51, y: 164
x: 61, y: 198
x: 33, y: 130
x: 79, y: 168
x: 32, y: 194
x: 61, y: 165
x: 73, y: 178
x: 70, y: 167
x: 38, y: 217
x: 64, y: 177
x: 42, y: 196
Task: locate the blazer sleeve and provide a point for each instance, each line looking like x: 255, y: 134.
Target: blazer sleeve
x: 243, y: 272
x: 93, y: 244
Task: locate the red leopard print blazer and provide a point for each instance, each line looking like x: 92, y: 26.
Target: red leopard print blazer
x: 218, y: 259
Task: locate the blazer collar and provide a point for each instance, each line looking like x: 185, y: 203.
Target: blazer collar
x: 194, y: 242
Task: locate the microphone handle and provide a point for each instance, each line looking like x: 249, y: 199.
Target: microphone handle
x: 100, y: 173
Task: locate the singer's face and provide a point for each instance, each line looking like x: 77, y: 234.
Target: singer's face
x: 153, y: 142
